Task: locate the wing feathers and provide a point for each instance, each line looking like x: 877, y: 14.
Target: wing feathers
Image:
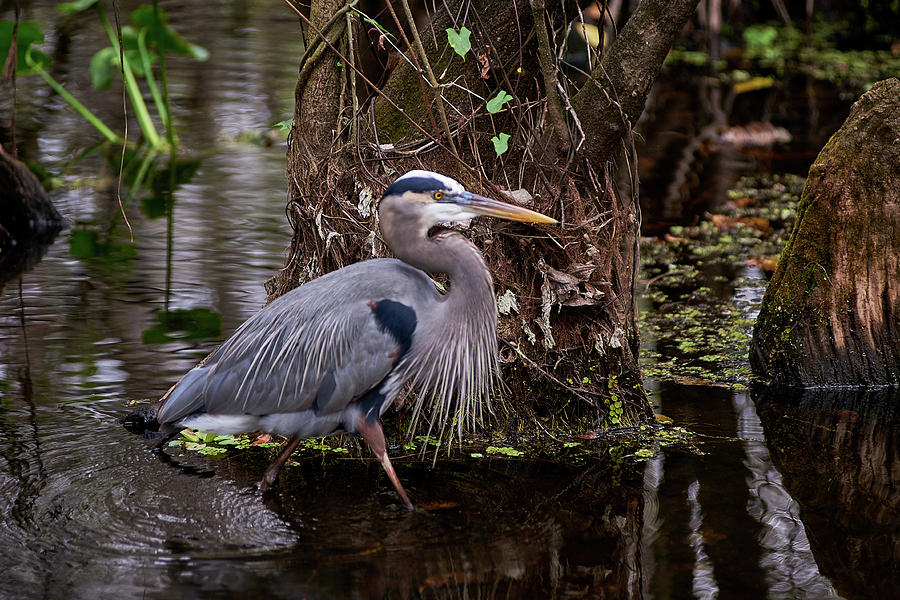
x: 276, y: 361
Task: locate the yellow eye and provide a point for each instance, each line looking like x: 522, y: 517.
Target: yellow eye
x: 437, y: 195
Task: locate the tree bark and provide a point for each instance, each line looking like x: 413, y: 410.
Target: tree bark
x: 315, y: 157
x: 568, y: 336
x: 831, y: 314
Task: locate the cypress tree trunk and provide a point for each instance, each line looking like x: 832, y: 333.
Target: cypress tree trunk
x: 831, y: 314
x: 565, y: 293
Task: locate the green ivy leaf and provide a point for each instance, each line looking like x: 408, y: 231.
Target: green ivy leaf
x: 501, y: 143
x: 162, y: 35
x: 495, y: 104
x: 29, y: 33
x: 460, y: 41
x: 76, y: 6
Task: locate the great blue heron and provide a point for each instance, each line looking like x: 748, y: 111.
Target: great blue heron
x: 334, y: 353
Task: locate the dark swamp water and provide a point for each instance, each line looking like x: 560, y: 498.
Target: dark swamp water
x: 776, y: 497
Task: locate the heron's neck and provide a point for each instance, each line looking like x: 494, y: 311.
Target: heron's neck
x: 450, y: 253
x: 455, y: 362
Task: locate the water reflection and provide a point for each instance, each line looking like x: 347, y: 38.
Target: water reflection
x: 696, y: 136
x: 90, y: 511
x: 490, y: 528
x: 723, y: 524
x: 838, y: 453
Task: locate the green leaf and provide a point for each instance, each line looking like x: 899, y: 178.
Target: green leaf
x: 505, y: 450
x: 76, y: 6
x: 85, y: 243
x: 211, y: 451
x: 102, y: 68
x: 144, y: 16
x: 284, y: 125
x: 161, y: 180
x: 460, y: 41
x: 496, y: 104
x: 29, y: 33
x: 185, y: 169
x: 163, y: 36
x: 190, y: 435
x: 761, y: 36
x: 181, y: 324
x: 501, y: 143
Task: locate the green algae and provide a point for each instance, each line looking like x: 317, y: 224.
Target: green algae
x: 704, y: 284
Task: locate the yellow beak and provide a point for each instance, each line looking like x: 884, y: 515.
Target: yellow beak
x: 494, y: 208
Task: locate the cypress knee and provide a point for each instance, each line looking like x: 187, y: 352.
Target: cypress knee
x: 830, y: 316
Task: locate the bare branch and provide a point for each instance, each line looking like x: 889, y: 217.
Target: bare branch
x: 558, y: 128
x: 622, y: 81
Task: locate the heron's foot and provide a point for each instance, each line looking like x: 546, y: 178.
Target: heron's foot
x: 162, y: 440
x: 271, y: 475
x: 374, y: 435
x: 268, y: 481
x: 408, y: 504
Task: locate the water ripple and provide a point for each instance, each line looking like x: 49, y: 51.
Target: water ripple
x: 104, y: 497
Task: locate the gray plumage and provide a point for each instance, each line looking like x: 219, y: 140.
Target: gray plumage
x: 334, y: 354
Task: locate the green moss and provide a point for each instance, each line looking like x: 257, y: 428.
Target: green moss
x: 804, y: 292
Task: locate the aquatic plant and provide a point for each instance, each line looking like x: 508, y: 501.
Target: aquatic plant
x: 704, y: 284
x: 144, y: 44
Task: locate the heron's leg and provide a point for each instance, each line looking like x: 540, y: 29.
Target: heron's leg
x: 271, y: 474
x: 164, y: 438
x: 374, y: 435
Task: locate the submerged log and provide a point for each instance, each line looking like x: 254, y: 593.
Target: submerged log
x: 831, y: 314
x: 26, y: 210
x: 28, y: 219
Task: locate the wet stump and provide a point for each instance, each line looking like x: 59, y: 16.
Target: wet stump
x: 28, y: 219
x: 831, y: 314
x: 25, y: 208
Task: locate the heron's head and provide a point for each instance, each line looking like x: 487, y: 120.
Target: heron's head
x: 431, y: 198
